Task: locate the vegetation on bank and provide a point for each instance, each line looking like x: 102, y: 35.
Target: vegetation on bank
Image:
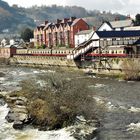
x: 55, y: 100
x: 131, y: 69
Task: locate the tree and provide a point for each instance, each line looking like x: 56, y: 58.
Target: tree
x: 27, y: 34
x: 137, y: 19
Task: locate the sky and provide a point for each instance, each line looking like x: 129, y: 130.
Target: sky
x: 127, y: 7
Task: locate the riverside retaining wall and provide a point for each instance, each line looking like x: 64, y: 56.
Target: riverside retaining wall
x: 111, y: 65
x: 43, y: 61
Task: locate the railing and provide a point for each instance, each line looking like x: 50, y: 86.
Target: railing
x: 83, y: 48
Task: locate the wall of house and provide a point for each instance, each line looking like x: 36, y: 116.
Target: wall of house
x: 39, y: 36
x: 79, y: 26
x: 81, y: 38
x: 62, y: 35
x: 105, y: 27
x: 7, y: 52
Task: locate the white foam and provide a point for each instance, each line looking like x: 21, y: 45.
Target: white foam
x: 130, y: 81
x: 102, y: 101
x: 134, y: 109
x: 41, y: 83
x: 99, y: 85
x: 36, y: 72
x: 134, y: 127
x: 8, y: 133
x: 2, y: 78
x: 99, y: 100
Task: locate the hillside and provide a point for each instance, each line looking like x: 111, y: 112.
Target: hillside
x: 94, y: 18
x: 14, y: 19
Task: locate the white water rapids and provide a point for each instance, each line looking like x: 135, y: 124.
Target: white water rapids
x: 8, y: 133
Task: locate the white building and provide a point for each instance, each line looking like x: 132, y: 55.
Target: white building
x: 132, y: 28
x: 82, y: 36
x: 116, y: 25
x: 4, y: 42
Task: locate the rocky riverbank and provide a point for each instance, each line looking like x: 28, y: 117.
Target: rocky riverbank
x: 18, y: 115
x: 53, y: 101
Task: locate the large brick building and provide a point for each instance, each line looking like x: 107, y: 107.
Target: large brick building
x: 60, y: 33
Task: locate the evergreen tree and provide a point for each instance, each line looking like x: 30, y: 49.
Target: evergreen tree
x: 137, y: 19
x: 27, y: 34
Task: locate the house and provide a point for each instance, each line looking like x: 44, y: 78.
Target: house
x: 101, y: 42
x: 60, y: 33
x: 4, y: 42
x: 82, y: 36
x: 7, y: 51
x: 116, y: 25
x: 38, y: 35
x: 118, y: 38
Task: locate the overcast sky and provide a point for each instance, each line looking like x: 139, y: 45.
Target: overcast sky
x: 122, y: 6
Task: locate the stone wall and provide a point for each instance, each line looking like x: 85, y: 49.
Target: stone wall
x: 111, y: 65
x: 43, y: 60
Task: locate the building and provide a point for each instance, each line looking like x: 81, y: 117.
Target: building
x: 116, y: 25
x: 60, y: 33
x: 132, y: 28
x: 4, y: 42
x: 82, y: 36
x: 8, y: 51
x: 116, y: 38
x: 38, y: 35
x: 100, y: 41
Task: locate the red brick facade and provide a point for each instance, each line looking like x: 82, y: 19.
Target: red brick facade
x: 60, y: 33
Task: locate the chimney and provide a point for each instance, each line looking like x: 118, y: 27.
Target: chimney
x: 94, y: 28
x: 66, y: 20
x: 58, y: 21
x: 117, y: 19
x: 128, y: 17
x: 72, y: 18
x: 46, y: 22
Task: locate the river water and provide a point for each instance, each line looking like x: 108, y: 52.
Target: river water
x: 121, y: 120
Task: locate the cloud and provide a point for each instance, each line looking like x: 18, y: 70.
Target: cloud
x: 100, y: 4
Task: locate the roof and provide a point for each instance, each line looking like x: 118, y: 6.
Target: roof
x: 111, y: 34
x: 118, y: 47
x: 75, y: 21
x: 84, y: 32
x: 9, y: 46
x: 137, y: 42
x: 132, y: 28
x: 121, y: 23
x: 47, y: 25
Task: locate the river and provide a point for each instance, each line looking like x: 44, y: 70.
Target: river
x: 121, y: 120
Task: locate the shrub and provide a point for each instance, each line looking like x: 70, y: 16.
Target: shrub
x: 131, y: 69
x: 58, y: 103
x: 43, y: 46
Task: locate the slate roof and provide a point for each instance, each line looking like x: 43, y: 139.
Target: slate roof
x: 137, y: 42
x: 132, y: 28
x: 121, y: 23
x: 111, y: 34
x: 47, y: 25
